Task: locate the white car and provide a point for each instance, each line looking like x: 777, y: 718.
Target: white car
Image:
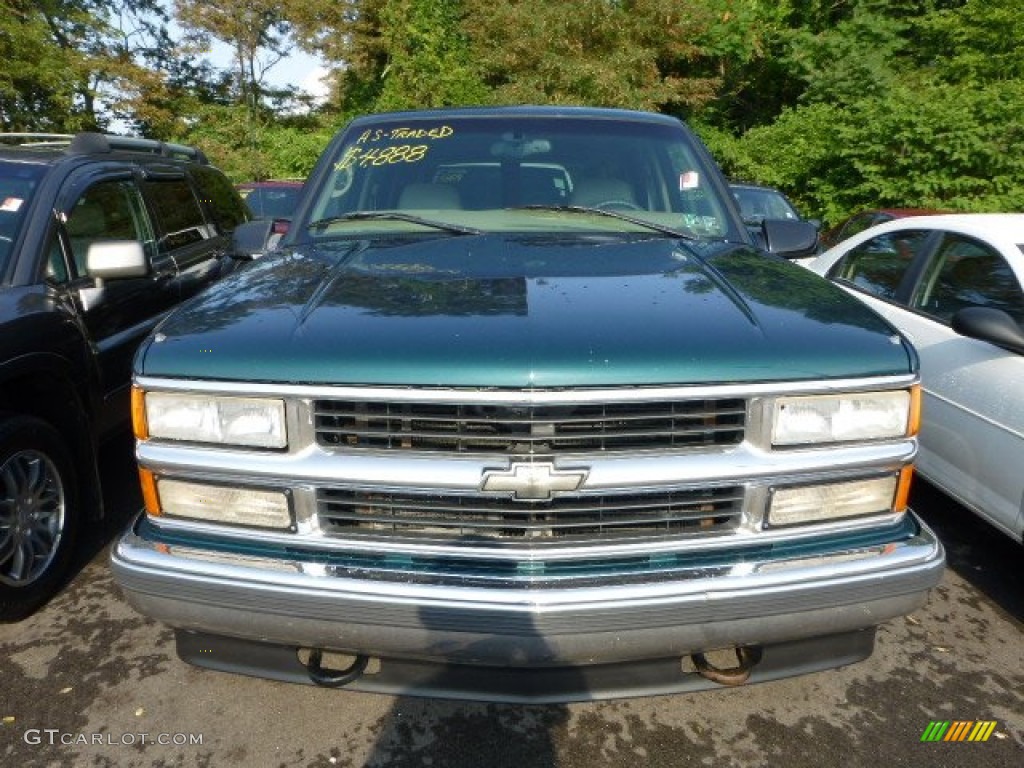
x: 953, y: 285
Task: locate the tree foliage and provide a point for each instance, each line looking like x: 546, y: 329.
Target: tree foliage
x: 244, y: 150
x: 47, y: 49
x: 255, y: 31
x: 842, y: 103
x: 899, y: 107
x: 645, y: 54
x: 428, y: 62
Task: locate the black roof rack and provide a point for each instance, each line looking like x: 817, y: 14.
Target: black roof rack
x: 93, y: 143
x: 89, y: 143
x: 37, y: 139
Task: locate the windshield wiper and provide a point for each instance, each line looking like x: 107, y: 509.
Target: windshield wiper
x: 612, y: 214
x: 457, y: 229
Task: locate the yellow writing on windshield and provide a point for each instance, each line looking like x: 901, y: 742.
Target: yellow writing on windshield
x: 376, y: 156
x: 374, y: 135
x: 365, y: 152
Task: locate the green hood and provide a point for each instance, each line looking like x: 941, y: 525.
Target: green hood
x: 523, y: 311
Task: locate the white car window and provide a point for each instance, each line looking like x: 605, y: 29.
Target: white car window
x: 878, y: 266
x: 966, y: 273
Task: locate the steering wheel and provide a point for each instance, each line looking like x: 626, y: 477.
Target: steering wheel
x: 617, y: 204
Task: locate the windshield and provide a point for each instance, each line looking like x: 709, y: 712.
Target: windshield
x: 518, y: 173
x: 17, y: 183
x: 757, y: 204
x: 271, y: 201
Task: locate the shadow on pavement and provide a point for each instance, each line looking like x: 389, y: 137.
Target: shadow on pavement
x: 424, y: 732
x: 983, y: 556
x: 121, y: 499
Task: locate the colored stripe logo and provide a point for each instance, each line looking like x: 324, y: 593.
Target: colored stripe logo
x: 959, y: 730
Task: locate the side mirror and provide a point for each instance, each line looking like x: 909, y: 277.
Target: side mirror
x: 789, y: 239
x: 991, y: 325
x: 116, y: 259
x: 253, y: 239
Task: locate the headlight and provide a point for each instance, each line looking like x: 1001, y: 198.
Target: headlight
x: 835, y: 501
x: 220, y: 504
x: 817, y: 419
x: 241, y: 421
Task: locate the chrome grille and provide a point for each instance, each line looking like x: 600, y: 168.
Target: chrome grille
x: 474, y: 518
x: 545, y: 428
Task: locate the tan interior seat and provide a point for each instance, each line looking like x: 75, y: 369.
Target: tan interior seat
x: 595, y: 192
x: 429, y: 196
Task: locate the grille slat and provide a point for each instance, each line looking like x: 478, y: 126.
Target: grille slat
x: 477, y: 505
x: 349, y: 512
x: 459, y: 428
x: 525, y: 422
x: 368, y: 434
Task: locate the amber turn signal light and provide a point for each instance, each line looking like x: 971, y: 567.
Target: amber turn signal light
x: 150, y: 496
x: 902, y: 500
x: 139, y: 425
x: 914, y: 420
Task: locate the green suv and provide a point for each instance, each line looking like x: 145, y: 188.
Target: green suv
x: 519, y: 409
x: 100, y: 236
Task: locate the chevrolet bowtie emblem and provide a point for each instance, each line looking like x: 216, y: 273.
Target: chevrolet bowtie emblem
x: 533, y: 481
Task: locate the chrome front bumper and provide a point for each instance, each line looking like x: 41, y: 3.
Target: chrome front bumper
x: 306, y: 604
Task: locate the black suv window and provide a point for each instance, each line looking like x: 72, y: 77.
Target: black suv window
x: 180, y: 220
x: 224, y: 205
x: 17, y: 183
x: 272, y: 202
x: 111, y: 210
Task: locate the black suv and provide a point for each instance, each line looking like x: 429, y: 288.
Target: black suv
x: 99, y: 237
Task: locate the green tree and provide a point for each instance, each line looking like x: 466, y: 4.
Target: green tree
x: 898, y: 104
x: 285, y: 148
x: 255, y: 31
x: 246, y: 127
x: 978, y: 41
x: 81, y: 64
x: 48, y: 73
x: 155, y: 82
x: 394, y: 54
x: 932, y: 146
x: 858, y: 58
x: 641, y: 54
x: 428, y: 62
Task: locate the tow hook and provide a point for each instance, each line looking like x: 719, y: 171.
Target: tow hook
x: 747, y: 658
x: 333, y: 678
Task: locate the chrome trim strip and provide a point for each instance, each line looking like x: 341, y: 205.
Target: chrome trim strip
x: 528, y: 396
x: 625, y: 548
x: 432, y: 473
x: 168, y: 568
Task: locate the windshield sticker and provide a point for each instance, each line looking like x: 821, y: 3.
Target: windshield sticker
x: 11, y: 204
x: 404, y: 134
x: 689, y: 180
x: 366, y: 152
x: 364, y: 158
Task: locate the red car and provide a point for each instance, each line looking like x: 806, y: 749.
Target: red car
x: 861, y: 221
